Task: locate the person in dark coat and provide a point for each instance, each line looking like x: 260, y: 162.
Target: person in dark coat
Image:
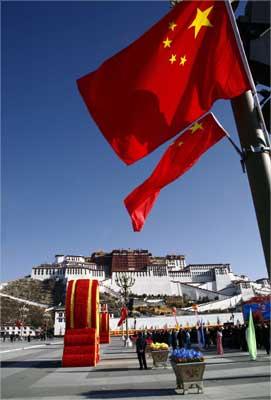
x: 207, y: 338
x: 166, y: 337
x: 243, y: 338
x: 140, y: 350
x: 174, y: 339
x: 187, y: 339
x: 266, y: 337
x: 180, y: 338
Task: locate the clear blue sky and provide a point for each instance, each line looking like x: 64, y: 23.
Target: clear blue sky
x: 63, y: 187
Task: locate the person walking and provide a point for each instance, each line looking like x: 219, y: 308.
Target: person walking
x: 219, y: 345
x: 140, y: 349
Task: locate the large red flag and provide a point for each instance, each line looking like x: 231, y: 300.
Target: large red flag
x: 165, y: 80
x: 178, y: 158
x: 123, y: 315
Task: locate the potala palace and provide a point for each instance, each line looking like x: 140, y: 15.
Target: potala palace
x: 168, y: 275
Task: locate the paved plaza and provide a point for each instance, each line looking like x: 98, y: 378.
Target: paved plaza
x: 31, y: 372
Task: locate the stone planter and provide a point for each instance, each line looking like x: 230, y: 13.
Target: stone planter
x: 189, y: 375
x: 160, y: 358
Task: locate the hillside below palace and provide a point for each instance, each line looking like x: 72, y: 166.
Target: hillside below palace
x: 168, y: 275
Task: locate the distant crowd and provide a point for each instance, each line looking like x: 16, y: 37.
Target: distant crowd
x: 226, y: 336
x: 12, y: 337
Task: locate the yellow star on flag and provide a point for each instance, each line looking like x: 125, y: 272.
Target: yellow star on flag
x: 183, y: 60
x: 201, y: 20
x: 172, y: 58
x: 172, y: 26
x: 180, y: 143
x: 195, y: 127
x: 167, y: 42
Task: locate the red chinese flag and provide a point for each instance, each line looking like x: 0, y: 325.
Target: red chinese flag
x: 123, y: 315
x: 178, y: 158
x: 165, y: 80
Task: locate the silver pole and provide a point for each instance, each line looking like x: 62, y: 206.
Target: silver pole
x: 255, y: 142
x: 258, y: 165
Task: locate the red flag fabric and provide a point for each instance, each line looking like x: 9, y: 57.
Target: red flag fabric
x: 123, y: 315
x: 178, y: 158
x: 166, y: 79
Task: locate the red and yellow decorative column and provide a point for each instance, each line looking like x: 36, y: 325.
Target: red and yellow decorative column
x: 81, y: 342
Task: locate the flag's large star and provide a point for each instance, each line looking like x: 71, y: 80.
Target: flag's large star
x: 167, y: 42
x: 201, y: 20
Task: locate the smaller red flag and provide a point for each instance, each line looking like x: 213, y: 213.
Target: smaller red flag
x: 180, y: 156
x: 123, y: 315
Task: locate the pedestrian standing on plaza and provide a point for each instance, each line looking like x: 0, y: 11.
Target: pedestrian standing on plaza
x: 149, y: 341
x: 207, y: 338
x: 169, y: 339
x: 154, y: 336
x: 140, y: 349
x: 174, y: 339
x: 243, y: 338
x: 166, y: 337
x: 187, y: 339
x: 180, y: 338
x: 266, y: 337
x: 219, y: 345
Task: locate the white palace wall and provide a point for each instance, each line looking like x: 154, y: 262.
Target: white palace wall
x: 157, y: 279
x: 184, y: 320
x: 69, y: 273
x: 196, y: 293
x: 209, y: 286
x: 222, y: 280
x: 146, y: 283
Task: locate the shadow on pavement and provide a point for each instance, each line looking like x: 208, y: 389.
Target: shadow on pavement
x: 118, y: 369
x: 32, y: 364
x: 134, y: 393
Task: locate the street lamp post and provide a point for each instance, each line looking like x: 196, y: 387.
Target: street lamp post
x: 125, y: 282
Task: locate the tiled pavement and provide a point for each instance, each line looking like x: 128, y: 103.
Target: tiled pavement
x: 36, y: 373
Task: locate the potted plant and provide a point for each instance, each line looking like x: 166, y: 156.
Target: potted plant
x: 189, y: 366
x: 159, y: 353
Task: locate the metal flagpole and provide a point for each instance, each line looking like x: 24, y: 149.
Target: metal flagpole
x: 255, y: 143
